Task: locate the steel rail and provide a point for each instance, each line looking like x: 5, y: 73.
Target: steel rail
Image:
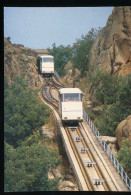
x: 106, y: 186
x: 58, y: 82
x: 80, y: 162
x: 45, y: 98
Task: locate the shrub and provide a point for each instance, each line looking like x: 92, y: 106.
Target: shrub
x: 81, y: 51
x: 61, y: 55
x: 24, y: 113
x: 26, y: 167
x: 114, y: 113
x: 124, y: 155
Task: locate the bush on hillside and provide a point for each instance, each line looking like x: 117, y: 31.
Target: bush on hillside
x: 27, y: 166
x: 124, y: 155
x: 81, y: 51
x: 61, y: 55
x: 120, y: 102
x: 24, y: 113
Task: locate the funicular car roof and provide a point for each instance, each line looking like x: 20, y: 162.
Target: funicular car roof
x: 70, y: 90
x: 45, y: 56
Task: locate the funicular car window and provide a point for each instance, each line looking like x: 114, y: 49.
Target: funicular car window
x: 68, y: 97
x: 47, y: 59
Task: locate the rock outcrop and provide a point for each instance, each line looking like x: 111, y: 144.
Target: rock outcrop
x: 111, y: 142
x: 63, y: 185
x: 123, y: 130
x: 111, y: 51
x: 18, y: 59
x: 72, y: 76
x: 67, y: 186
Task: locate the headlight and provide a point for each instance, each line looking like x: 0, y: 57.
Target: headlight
x: 78, y: 117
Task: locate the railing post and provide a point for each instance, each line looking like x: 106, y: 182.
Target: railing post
x: 93, y: 127
x: 89, y: 121
x: 130, y: 184
x: 96, y: 131
x: 107, y: 151
x: 91, y: 124
x: 87, y: 118
x: 114, y: 160
x: 111, y: 156
x: 84, y: 113
x: 101, y: 141
x: 104, y: 145
x: 122, y: 172
x: 126, y: 178
x: 98, y: 136
x: 117, y: 166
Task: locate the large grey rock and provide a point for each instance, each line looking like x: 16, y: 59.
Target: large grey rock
x: 67, y: 186
x: 123, y: 130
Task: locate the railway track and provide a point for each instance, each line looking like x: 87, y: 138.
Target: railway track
x: 92, y: 173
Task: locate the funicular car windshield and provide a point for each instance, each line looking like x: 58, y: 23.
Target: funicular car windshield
x: 47, y: 59
x: 75, y: 97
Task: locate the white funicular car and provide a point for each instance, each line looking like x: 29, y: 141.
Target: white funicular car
x: 70, y: 105
x: 46, y: 65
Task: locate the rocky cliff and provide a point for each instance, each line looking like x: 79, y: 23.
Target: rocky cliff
x: 71, y: 79
x: 123, y: 130
x: 18, y: 59
x: 111, y: 50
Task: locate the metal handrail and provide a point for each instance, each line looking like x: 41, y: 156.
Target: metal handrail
x: 109, y: 153
x: 57, y: 76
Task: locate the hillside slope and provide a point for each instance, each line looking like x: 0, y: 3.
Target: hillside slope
x: 18, y: 59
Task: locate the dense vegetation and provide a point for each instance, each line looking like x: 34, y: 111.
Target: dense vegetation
x: 24, y: 113
x: 81, y: 51
x: 26, y: 167
x: 113, y: 94
x: 124, y: 156
x: 78, y: 54
x: 61, y: 55
x: 27, y: 157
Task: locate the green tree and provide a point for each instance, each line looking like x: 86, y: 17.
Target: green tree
x: 61, y: 56
x: 26, y: 167
x: 23, y: 111
x: 124, y: 96
x: 81, y: 51
x: 124, y: 155
x: 109, y: 119
x: 113, y: 114
x: 106, y: 87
